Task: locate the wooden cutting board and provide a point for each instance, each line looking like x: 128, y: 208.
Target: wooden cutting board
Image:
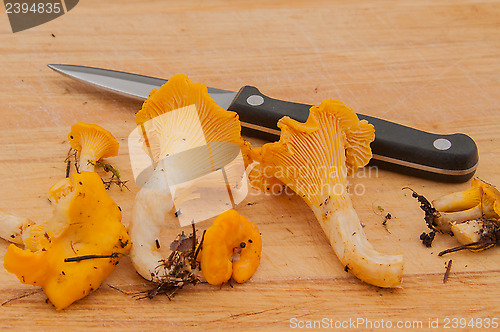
x: 433, y: 66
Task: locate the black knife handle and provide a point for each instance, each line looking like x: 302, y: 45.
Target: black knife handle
x: 447, y: 158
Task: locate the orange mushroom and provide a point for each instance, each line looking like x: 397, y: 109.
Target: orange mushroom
x: 314, y: 159
x: 180, y: 116
x: 92, y: 143
x: 230, y: 231
x: 71, y: 254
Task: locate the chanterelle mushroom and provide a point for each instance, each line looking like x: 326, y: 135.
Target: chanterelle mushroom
x: 177, y: 117
x: 71, y: 254
x: 93, y: 143
x: 314, y: 159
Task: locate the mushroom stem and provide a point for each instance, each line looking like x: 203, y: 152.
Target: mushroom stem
x: 349, y: 242
x: 468, y: 232
x: 151, y: 207
x: 476, y: 240
x: 446, y: 219
x: 87, y: 163
x: 12, y: 227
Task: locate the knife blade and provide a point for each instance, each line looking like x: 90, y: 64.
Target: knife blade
x: 446, y: 158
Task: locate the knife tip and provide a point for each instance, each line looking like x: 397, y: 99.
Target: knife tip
x: 57, y: 67
x: 53, y: 66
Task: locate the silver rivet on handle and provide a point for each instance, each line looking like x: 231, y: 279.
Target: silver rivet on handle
x: 442, y: 144
x: 255, y: 100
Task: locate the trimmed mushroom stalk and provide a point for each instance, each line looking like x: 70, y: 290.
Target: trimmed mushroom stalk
x: 178, y: 117
x: 445, y: 220
x: 482, y: 200
x: 475, y: 235
x: 472, y: 216
x: 12, y: 227
x: 314, y: 159
x: 92, y: 143
x: 468, y: 231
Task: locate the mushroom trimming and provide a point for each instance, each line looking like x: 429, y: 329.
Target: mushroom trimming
x: 230, y: 232
x: 168, y: 121
x: 314, y: 159
x: 472, y: 216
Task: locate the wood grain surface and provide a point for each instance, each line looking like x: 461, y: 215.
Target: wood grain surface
x: 433, y: 65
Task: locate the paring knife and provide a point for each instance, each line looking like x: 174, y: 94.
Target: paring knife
x: 447, y: 158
